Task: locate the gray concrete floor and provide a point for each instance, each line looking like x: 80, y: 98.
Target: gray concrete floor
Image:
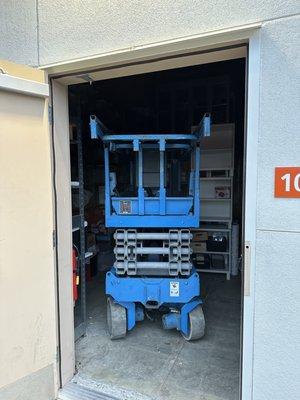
x: 158, y: 364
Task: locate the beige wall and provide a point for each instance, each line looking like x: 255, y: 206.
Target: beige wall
x: 27, y: 277
x: 23, y: 71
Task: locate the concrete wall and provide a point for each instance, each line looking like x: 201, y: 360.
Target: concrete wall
x: 27, y: 289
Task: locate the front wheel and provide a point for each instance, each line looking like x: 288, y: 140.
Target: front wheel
x: 196, y: 324
x: 116, y: 319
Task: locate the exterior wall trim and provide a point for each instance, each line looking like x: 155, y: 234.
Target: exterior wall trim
x: 24, y: 86
x: 204, y: 41
x: 247, y: 34
x: 250, y: 222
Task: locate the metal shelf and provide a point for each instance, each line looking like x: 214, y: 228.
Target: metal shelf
x: 214, y: 199
x: 217, y: 212
x: 76, y: 221
x: 215, y: 271
x: 216, y: 219
x: 226, y: 253
x: 216, y: 169
x: 215, y: 178
x: 213, y: 228
x: 79, y: 224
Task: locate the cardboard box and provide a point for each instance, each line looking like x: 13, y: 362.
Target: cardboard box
x: 198, y: 247
x: 199, y: 236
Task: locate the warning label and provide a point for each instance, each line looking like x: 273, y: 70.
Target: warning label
x: 174, y: 289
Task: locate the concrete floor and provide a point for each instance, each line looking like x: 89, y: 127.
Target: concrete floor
x: 151, y: 363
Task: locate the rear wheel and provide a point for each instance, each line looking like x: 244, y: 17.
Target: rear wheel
x: 196, y: 324
x: 116, y: 319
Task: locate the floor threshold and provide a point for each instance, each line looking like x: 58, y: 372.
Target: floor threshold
x: 73, y: 391
x: 86, y: 389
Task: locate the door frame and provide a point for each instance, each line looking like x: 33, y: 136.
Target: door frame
x: 126, y: 62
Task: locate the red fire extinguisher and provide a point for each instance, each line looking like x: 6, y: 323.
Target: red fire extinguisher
x: 75, y: 267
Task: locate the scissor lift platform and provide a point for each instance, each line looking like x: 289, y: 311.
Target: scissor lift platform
x: 147, y: 277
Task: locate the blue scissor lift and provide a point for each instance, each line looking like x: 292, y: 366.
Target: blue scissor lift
x: 146, y: 276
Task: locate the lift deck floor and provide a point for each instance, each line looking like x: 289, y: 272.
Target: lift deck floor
x: 151, y: 363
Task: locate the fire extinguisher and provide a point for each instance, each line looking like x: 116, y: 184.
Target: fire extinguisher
x: 75, y: 267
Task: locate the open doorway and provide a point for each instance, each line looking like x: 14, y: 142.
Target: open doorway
x: 151, y: 361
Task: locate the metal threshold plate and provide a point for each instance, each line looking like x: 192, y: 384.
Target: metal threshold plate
x: 86, y: 389
x: 73, y: 391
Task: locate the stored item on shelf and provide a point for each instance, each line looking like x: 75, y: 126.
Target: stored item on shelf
x: 201, y: 261
x: 199, y: 236
x: 198, y: 247
x: 217, y: 242
x: 222, y: 192
x: 217, y: 261
x: 205, y: 264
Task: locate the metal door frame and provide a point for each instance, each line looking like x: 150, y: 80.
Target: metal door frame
x: 248, y: 35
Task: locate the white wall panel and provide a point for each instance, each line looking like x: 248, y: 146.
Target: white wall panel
x: 279, y: 119
x: 277, y: 323
x: 71, y: 30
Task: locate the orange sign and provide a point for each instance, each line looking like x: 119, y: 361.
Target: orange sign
x: 287, y: 182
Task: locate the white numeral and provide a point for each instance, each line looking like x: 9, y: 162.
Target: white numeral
x: 297, y: 182
x: 287, y: 179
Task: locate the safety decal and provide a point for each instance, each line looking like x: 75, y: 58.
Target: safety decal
x: 174, y: 289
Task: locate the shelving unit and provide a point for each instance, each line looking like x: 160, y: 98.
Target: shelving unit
x: 79, y: 224
x: 226, y: 254
x: 217, y: 167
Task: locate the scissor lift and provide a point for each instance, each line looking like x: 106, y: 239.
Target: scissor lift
x: 146, y: 276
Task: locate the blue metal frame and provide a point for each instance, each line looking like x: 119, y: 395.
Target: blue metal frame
x: 132, y: 290
x: 154, y: 212
x: 173, y: 212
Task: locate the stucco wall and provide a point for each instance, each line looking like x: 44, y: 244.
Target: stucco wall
x: 277, y: 291
x: 27, y: 289
x: 75, y: 29
x: 18, y: 31
x: 71, y: 30
x: 43, y: 32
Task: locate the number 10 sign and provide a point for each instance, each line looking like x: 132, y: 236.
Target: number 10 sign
x: 287, y: 182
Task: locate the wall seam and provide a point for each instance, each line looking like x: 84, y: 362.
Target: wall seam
x: 37, y: 32
x: 277, y: 230
x: 280, y: 18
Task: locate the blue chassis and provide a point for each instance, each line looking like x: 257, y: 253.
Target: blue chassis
x: 127, y: 291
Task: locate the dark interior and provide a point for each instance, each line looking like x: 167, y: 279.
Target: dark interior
x: 165, y: 101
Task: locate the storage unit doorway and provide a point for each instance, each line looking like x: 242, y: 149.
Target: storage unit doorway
x: 64, y: 216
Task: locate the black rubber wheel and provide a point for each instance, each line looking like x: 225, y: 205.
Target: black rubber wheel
x: 196, y: 324
x: 116, y: 319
